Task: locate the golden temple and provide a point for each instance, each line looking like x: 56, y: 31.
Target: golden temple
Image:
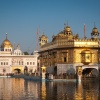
x: 67, y: 51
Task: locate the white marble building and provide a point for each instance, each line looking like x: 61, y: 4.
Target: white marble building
x: 13, y: 60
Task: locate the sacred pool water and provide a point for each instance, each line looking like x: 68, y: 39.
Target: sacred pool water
x: 20, y: 89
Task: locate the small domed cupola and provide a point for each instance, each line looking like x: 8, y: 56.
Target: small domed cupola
x: 94, y: 33
x: 17, y: 51
x: 67, y: 30
x: 43, y: 40
x: 6, y: 45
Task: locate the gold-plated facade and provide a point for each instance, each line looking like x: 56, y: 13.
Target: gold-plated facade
x: 69, y: 50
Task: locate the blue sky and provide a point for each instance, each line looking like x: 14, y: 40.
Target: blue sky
x: 21, y: 19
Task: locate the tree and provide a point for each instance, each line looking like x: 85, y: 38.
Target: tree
x: 26, y: 53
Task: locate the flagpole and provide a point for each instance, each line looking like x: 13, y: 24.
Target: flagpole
x: 84, y: 31
x: 37, y: 39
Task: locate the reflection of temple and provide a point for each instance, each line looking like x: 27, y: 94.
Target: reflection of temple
x: 19, y: 89
x: 67, y: 51
x: 91, y: 88
x: 13, y: 60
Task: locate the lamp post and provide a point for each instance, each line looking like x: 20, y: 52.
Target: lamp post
x: 43, y: 71
x: 79, y: 72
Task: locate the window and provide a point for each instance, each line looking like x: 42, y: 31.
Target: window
x: 6, y: 63
x: 27, y: 63
x: 33, y: 63
x: 19, y: 62
x: 38, y: 64
x: 22, y: 62
x: 64, y: 59
x: 1, y: 63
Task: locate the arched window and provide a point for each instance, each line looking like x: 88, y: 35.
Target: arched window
x: 19, y: 62
x: 22, y: 62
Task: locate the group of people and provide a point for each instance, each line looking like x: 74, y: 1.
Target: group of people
x: 64, y: 76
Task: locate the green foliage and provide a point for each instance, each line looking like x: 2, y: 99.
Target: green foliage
x: 26, y: 53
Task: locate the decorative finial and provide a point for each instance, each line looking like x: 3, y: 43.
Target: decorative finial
x: 67, y: 23
x: 64, y: 24
x: 14, y: 45
x: 18, y: 46
x: 6, y: 35
x: 43, y: 33
x: 94, y: 25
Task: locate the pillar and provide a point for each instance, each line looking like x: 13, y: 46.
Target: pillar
x: 43, y: 71
x: 79, y: 73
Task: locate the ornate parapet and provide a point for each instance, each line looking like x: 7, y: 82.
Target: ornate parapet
x: 62, y: 43
x: 85, y: 43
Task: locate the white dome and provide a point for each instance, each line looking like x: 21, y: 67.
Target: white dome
x: 18, y: 51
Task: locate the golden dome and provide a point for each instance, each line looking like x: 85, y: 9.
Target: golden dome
x: 67, y: 31
x: 6, y: 43
x: 94, y: 30
x: 43, y: 36
x: 67, y: 28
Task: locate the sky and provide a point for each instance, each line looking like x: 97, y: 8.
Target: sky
x: 21, y: 19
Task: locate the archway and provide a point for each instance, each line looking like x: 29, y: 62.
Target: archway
x: 87, y: 72
x: 17, y: 71
x: 90, y: 72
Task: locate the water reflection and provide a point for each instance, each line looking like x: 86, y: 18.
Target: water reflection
x: 88, y: 90
x: 20, y: 89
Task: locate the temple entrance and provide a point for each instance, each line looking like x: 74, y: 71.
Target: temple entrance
x: 87, y: 71
x: 90, y: 72
x: 17, y: 71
